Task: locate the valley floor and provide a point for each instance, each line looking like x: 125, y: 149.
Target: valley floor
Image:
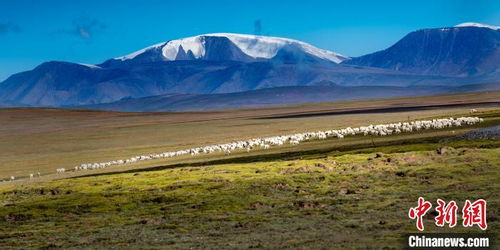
x: 42, y: 140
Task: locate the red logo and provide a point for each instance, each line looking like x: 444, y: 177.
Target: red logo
x: 472, y: 213
x: 446, y: 213
x: 475, y: 214
x: 419, y: 211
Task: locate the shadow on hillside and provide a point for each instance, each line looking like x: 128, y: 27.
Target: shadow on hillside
x: 383, y: 110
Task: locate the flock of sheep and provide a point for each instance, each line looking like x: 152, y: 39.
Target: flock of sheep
x: 293, y: 139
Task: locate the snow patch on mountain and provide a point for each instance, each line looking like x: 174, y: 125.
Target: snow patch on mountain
x: 254, y: 46
x: 195, y: 44
x: 478, y: 25
x: 89, y: 65
x: 268, y: 47
x: 133, y: 55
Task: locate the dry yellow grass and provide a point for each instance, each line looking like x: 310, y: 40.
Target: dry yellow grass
x: 42, y: 140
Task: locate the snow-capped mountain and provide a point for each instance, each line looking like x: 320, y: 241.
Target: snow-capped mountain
x: 204, y: 64
x: 227, y: 63
x: 468, y: 49
x: 228, y: 46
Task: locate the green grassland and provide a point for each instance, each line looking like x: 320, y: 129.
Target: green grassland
x: 349, y: 197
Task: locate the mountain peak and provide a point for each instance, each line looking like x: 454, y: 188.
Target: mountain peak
x: 253, y: 46
x: 477, y: 25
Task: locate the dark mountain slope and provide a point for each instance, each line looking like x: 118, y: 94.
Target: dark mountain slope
x: 455, y: 51
x: 275, y: 96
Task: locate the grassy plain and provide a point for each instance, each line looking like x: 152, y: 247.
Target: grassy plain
x: 331, y: 194
x: 356, y: 198
x: 41, y: 140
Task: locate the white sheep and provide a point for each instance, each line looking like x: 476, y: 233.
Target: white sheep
x: 294, y: 139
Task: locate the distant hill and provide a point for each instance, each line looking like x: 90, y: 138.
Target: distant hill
x: 274, y: 96
x: 61, y: 83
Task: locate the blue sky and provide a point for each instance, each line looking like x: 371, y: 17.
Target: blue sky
x: 92, y: 31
